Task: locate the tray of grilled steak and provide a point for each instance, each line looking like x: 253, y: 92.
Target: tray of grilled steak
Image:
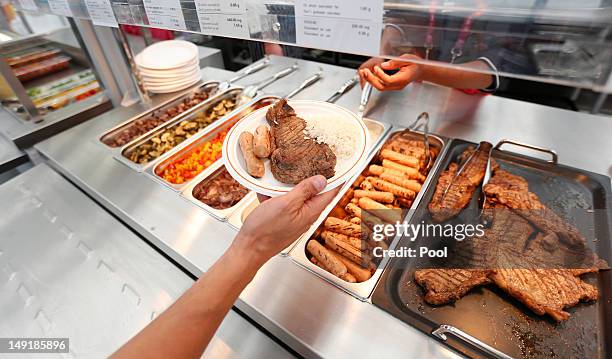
x: 532, y: 281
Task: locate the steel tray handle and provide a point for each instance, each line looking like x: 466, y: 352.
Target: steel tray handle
x: 554, y: 157
x: 449, y: 329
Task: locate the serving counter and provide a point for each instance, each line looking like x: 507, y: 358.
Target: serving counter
x: 304, y: 311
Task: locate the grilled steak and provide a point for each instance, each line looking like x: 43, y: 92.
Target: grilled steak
x: 296, y: 157
x: 454, y: 192
x: 539, y: 271
x: 528, y: 206
x: 448, y: 285
x: 509, y: 181
x: 545, y: 291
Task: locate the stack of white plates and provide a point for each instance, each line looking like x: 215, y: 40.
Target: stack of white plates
x: 169, y: 66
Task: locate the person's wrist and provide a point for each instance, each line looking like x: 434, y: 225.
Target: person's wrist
x: 422, y: 73
x: 246, y: 250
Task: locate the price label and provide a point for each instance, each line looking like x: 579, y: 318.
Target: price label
x: 60, y: 7
x: 165, y: 14
x: 341, y: 25
x: 223, y: 18
x: 101, y: 12
x: 221, y: 6
x: 28, y: 5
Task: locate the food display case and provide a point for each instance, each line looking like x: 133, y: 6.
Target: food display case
x: 49, y: 84
x: 297, y: 283
x: 181, y: 201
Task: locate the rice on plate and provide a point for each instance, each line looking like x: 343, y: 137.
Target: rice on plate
x: 338, y: 135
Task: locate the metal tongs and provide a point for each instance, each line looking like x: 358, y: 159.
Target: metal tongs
x: 343, y: 89
x: 252, y: 90
x: 482, y: 200
x: 422, y: 122
x: 246, y: 72
x: 365, y: 98
x: 486, y: 178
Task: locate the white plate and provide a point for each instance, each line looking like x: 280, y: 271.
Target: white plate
x: 173, y: 87
x: 163, y: 77
x: 184, y: 73
x: 171, y: 72
x: 164, y: 55
x: 170, y: 80
x: 268, y: 185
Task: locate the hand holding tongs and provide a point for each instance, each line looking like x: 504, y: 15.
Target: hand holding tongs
x: 246, y: 72
x: 343, y: 89
x: 252, y: 90
x: 307, y: 83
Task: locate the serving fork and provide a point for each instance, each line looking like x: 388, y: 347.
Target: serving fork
x: 244, y: 73
x: 346, y: 86
x: 306, y: 83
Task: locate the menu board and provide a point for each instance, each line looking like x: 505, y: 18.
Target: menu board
x: 101, y: 12
x: 28, y: 5
x: 223, y: 18
x: 60, y: 7
x: 165, y: 14
x: 340, y: 25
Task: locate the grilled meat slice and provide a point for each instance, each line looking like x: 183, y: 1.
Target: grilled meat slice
x: 295, y: 156
x: 468, y: 152
x: 540, y: 269
x: 435, y: 207
x: 545, y: 291
x: 448, y: 285
x: 528, y: 205
x: 509, y: 181
x: 454, y: 192
x: 535, y: 270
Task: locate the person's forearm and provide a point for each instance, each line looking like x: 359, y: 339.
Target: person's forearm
x: 186, y: 327
x: 458, y: 78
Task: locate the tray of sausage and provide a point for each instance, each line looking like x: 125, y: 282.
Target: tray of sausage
x: 343, y: 245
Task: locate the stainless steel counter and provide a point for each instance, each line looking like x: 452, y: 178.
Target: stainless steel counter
x: 69, y: 269
x: 310, y: 315
x: 10, y: 155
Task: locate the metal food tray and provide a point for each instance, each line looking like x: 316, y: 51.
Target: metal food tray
x: 207, y: 134
x: 234, y: 92
x: 213, y: 86
x: 378, y: 130
x: 487, y: 322
x: 209, y: 173
x: 363, y: 290
x: 194, y: 142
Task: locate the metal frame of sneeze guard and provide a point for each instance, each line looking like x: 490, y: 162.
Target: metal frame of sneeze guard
x: 424, y: 29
